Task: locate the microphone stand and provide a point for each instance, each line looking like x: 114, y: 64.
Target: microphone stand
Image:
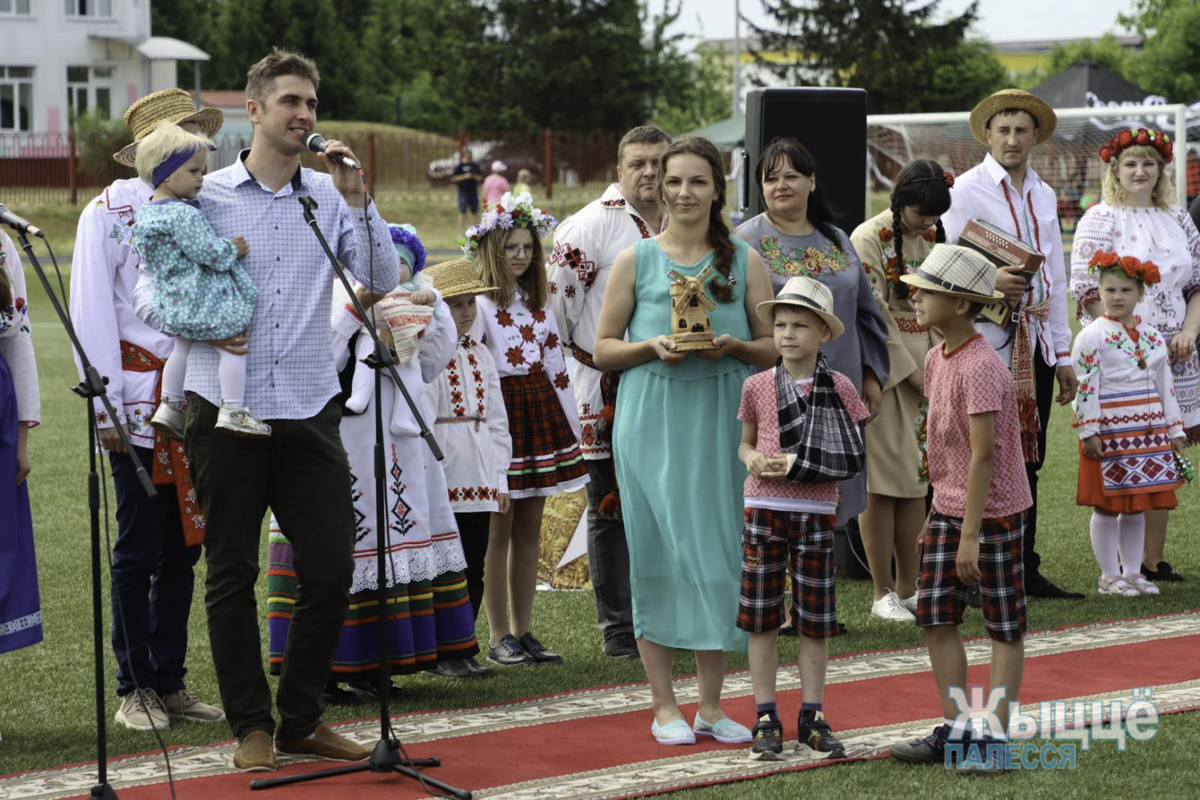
x: 386, y: 755
x: 90, y: 387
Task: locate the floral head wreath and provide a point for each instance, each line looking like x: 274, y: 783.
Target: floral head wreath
x: 1144, y: 271
x: 511, y: 212
x: 1143, y: 136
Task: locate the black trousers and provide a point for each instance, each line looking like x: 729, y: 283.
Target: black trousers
x: 608, y: 554
x: 473, y: 531
x: 1043, y: 376
x: 301, y: 474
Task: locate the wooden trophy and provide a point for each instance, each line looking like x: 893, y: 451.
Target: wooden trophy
x: 691, y: 328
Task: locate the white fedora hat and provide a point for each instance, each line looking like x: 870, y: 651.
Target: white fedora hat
x: 956, y: 271
x: 808, y: 294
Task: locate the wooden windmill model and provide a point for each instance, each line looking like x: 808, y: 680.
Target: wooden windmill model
x: 691, y: 328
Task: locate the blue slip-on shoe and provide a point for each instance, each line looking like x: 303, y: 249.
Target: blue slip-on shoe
x: 723, y: 730
x: 674, y: 732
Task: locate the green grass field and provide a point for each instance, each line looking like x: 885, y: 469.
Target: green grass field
x: 46, y: 700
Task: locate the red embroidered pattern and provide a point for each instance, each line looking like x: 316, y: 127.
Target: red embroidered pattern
x: 561, y: 380
x: 643, y: 229
x: 569, y: 257
x: 503, y: 318
x: 910, y: 325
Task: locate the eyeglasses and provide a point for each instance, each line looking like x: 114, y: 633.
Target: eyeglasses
x: 511, y: 250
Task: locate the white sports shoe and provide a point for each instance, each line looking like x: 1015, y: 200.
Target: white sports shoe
x: 168, y: 419
x: 241, y: 422
x: 891, y: 608
x: 142, y: 710
x: 910, y: 603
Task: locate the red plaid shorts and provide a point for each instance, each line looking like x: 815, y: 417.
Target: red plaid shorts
x: 773, y: 541
x: 942, y: 596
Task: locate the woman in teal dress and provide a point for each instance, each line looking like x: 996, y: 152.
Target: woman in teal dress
x: 676, y: 434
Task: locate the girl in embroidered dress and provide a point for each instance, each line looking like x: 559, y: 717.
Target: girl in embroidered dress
x: 1137, y: 218
x: 201, y: 292
x: 516, y: 324
x: 1129, y: 423
x: 890, y: 244
x: 429, y: 613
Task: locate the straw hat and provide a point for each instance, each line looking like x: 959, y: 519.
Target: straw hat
x: 457, y: 277
x: 808, y: 294
x: 989, y: 107
x: 173, y: 104
x: 956, y: 271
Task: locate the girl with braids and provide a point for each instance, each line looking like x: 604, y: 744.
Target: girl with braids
x: 891, y: 244
x: 796, y: 235
x: 676, y: 435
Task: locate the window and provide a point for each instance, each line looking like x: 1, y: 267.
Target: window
x: 88, y: 89
x: 89, y: 8
x: 19, y: 8
x: 16, y: 98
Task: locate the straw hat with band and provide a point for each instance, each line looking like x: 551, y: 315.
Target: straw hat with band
x: 457, y: 277
x: 1005, y: 99
x: 958, y: 272
x: 808, y: 294
x: 170, y: 104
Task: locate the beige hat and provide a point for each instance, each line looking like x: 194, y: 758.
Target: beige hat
x: 457, y: 277
x: 989, y: 107
x: 958, y: 272
x: 808, y: 294
x: 173, y: 104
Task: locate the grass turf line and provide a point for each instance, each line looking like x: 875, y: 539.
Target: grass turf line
x: 46, y: 700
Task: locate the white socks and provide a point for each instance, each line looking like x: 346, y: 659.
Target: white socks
x: 1133, y: 537
x: 1105, y: 537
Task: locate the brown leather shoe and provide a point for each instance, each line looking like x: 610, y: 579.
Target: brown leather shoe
x: 255, y: 753
x: 325, y: 745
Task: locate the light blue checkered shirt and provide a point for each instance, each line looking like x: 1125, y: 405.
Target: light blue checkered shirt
x: 289, y: 371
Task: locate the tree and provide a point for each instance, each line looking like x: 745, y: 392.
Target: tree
x: 1169, y: 63
x: 1105, y: 52
x: 706, y: 95
x: 905, y: 60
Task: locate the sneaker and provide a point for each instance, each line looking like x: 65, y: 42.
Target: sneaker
x: 622, y: 645
x: 255, y: 753
x: 890, y: 608
x: 531, y: 645
x: 1163, y: 573
x: 185, y: 705
x: 930, y: 750
x: 325, y: 745
x: 1117, y: 585
x: 1038, y: 585
x: 910, y: 603
x: 1138, y: 581
x: 987, y: 757
x: 768, y: 739
x: 142, y: 710
x: 168, y: 419
x: 240, y: 422
x: 510, y: 654
x: 814, y: 733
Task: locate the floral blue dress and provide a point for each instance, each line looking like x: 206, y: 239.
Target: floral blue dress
x: 201, y: 290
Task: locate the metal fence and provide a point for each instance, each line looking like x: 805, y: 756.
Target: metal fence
x: 52, y: 168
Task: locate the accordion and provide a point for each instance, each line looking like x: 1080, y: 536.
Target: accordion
x: 1003, y: 250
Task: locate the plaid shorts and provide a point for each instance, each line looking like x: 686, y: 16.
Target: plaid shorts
x: 942, y: 596
x: 773, y: 541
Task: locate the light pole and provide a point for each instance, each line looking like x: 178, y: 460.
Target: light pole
x: 737, y: 58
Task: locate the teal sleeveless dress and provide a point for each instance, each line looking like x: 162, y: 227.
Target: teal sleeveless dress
x: 675, y: 442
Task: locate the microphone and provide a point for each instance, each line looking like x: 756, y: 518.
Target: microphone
x: 16, y: 223
x: 316, y: 143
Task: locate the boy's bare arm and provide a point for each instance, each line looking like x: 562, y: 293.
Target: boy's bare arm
x: 979, y: 482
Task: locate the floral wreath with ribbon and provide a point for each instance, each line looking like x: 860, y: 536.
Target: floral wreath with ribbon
x: 1143, y: 271
x: 1143, y: 136
x: 509, y: 213
x: 892, y: 268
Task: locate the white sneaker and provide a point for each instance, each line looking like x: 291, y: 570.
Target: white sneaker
x: 185, y: 705
x: 168, y: 419
x: 1117, y: 585
x: 890, y: 607
x: 1139, y: 582
x: 910, y: 603
x: 241, y: 422
x: 142, y: 710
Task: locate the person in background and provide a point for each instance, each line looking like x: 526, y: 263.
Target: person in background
x: 467, y: 175
x: 495, y: 185
x: 523, y: 184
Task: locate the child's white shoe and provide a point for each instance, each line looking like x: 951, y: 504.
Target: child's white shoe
x: 890, y: 607
x: 241, y: 422
x: 168, y: 419
x: 1117, y: 585
x: 1139, y: 582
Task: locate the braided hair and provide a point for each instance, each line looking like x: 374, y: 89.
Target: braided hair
x: 923, y: 184
x: 785, y: 149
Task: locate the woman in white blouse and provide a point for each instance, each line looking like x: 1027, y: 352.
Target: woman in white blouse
x: 1136, y: 218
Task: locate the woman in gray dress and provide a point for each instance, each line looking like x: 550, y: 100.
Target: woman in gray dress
x: 796, y: 235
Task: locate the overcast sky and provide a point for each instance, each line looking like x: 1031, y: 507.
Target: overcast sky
x: 1001, y: 20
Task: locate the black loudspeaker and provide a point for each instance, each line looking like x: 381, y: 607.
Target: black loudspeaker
x: 832, y: 124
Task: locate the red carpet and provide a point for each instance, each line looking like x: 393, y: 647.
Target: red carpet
x: 608, y: 743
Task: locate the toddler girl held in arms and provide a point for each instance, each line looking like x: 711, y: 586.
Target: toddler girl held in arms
x: 201, y: 292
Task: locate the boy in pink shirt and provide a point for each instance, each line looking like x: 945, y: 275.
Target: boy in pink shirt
x: 980, y: 496
x: 788, y: 523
